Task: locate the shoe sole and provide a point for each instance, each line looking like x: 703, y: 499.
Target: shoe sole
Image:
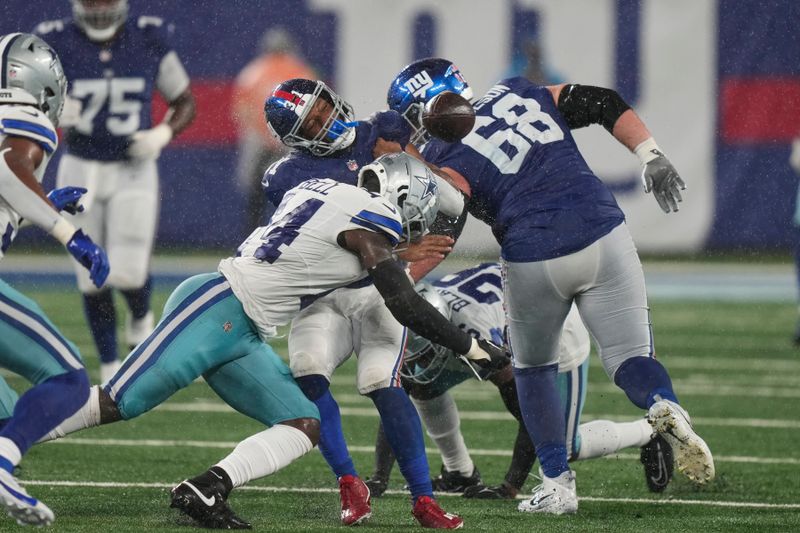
x: 25, y: 515
x: 359, y: 521
x: 552, y: 508
x: 692, y: 455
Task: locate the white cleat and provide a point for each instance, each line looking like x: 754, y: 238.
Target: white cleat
x: 692, y: 454
x: 137, y: 331
x: 20, y: 506
x: 553, y: 496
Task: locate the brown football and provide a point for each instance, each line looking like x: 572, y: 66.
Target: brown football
x: 448, y: 116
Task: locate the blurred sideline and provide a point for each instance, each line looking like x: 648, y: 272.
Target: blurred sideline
x: 667, y: 280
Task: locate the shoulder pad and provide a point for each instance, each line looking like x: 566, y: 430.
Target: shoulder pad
x: 30, y: 123
x: 376, y: 214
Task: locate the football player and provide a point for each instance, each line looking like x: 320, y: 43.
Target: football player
x: 472, y: 299
x: 32, y: 89
x: 563, y: 240
x: 112, y: 146
x: 319, y: 126
x: 325, y: 236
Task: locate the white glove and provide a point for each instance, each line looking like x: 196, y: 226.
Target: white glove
x: 794, y: 159
x: 71, y: 113
x: 659, y: 176
x: 147, y: 144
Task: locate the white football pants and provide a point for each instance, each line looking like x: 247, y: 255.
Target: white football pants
x: 120, y: 214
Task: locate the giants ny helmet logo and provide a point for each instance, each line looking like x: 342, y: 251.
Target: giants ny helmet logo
x: 419, y: 84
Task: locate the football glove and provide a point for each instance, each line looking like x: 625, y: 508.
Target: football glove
x: 66, y: 199
x: 485, y: 356
x: 91, y: 256
x: 660, y: 177
x: 147, y: 144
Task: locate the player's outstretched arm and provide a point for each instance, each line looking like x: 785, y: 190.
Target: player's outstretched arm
x: 582, y: 105
x: 408, y: 307
x: 19, y: 159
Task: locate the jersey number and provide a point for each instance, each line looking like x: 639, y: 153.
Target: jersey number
x: 124, y: 113
x: 473, y: 285
x: 524, y: 124
x: 285, y: 230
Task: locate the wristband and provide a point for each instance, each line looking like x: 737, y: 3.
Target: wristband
x: 647, y: 150
x: 62, y: 231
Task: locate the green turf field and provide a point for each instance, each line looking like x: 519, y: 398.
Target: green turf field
x: 733, y: 367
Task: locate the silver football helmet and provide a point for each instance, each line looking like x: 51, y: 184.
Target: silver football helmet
x: 407, y: 183
x: 424, y: 361
x: 31, y: 73
x: 100, y: 19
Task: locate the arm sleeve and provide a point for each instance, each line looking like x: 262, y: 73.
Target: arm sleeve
x: 582, y: 105
x: 411, y: 310
x: 23, y: 200
x: 451, y: 200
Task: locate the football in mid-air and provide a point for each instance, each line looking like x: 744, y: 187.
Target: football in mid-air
x: 448, y: 116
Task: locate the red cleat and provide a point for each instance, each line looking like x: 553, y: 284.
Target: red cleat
x: 355, y: 500
x: 430, y: 515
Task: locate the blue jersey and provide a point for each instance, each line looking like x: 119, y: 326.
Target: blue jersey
x: 114, y: 82
x: 342, y: 166
x: 528, y: 179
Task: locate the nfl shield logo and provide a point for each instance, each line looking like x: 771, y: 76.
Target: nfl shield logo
x: 352, y: 165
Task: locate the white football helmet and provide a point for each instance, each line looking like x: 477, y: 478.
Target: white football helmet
x: 100, y: 19
x: 31, y: 73
x: 423, y: 360
x: 407, y: 183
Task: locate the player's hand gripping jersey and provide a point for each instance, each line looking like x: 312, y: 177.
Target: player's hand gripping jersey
x: 528, y: 179
x: 115, y: 83
x: 284, y: 267
x: 28, y: 122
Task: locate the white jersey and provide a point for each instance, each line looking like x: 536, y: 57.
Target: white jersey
x: 303, y: 260
x: 28, y: 122
x: 475, y: 298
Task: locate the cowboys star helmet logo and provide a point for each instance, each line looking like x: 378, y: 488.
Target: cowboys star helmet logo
x: 430, y: 186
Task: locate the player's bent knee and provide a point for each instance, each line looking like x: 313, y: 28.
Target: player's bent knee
x: 374, y: 378
x: 128, y: 279
x: 309, y: 426
x: 304, y: 364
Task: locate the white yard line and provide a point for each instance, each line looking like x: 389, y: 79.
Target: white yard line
x: 371, y: 449
x: 709, y: 503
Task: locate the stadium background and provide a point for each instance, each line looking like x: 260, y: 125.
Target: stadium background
x: 717, y: 81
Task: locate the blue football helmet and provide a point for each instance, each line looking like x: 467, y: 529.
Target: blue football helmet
x: 292, y: 101
x: 418, y: 83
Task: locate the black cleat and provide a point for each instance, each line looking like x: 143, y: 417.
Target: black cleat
x: 658, y: 463
x: 206, y: 506
x: 454, y: 481
x: 377, y: 486
x: 484, y: 492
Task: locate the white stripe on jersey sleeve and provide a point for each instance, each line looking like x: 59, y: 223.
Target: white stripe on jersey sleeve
x: 28, y: 122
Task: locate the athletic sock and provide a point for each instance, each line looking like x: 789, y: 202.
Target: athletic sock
x: 544, y: 416
x: 603, y: 437
x: 441, y: 420
x: 331, y: 439
x: 265, y: 453
x: 102, y: 319
x: 86, y: 417
x: 404, y: 433
x: 384, y: 456
x: 44, y: 406
x: 139, y: 299
x: 644, y: 381
x: 10, y: 455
